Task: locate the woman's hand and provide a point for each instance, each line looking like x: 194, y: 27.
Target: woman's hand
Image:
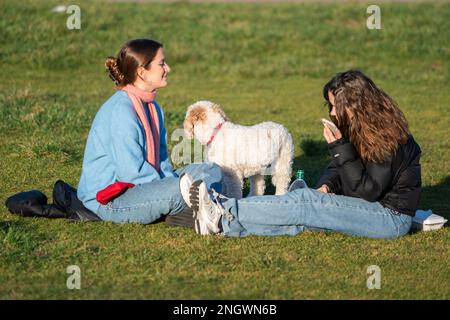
x: 325, y: 189
x: 329, y: 136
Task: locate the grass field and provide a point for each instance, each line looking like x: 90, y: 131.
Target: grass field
x: 259, y: 62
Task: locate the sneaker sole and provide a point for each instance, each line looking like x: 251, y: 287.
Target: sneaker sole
x: 194, y: 197
x: 185, y: 182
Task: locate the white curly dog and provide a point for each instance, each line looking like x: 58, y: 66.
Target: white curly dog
x: 242, y: 151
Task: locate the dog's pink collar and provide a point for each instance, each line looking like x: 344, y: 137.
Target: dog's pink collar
x: 216, y: 129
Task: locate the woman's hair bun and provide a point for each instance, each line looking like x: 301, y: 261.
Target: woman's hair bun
x: 113, y: 70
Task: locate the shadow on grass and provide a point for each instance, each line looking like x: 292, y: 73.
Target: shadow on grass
x: 8, y: 226
x: 19, y: 239
x: 437, y: 198
x: 313, y: 160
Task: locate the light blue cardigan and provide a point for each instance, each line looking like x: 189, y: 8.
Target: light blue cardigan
x: 116, y: 150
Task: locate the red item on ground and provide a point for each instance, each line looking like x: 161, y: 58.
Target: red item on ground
x: 113, y: 191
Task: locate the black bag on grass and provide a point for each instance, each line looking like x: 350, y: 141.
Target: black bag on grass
x: 66, y: 204
x: 33, y: 204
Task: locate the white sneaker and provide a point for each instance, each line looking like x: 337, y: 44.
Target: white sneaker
x: 207, y: 212
x: 186, y: 182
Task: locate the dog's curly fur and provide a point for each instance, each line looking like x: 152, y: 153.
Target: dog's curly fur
x: 242, y: 151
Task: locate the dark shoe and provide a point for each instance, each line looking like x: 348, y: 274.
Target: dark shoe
x: 183, y: 219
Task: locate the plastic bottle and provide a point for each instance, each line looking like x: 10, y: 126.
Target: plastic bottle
x: 299, y: 181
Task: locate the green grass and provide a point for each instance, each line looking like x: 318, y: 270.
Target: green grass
x: 259, y: 62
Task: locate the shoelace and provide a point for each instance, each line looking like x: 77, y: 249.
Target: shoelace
x: 216, y: 206
x: 216, y: 197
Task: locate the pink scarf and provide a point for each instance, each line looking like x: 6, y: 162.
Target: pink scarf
x: 151, y: 129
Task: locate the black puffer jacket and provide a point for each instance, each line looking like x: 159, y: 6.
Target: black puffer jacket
x: 395, y: 183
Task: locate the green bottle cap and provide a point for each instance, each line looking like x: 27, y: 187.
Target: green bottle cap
x: 300, y: 174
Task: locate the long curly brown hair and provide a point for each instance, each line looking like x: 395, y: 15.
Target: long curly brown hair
x: 366, y: 115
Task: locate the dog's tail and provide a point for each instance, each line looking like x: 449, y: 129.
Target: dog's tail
x: 282, y: 169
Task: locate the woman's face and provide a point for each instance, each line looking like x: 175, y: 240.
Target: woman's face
x: 155, y: 76
x: 333, y: 105
x: 333, y: 113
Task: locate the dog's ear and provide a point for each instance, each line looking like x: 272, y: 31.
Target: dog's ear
x: 193, y: 115
x: 218, y: 109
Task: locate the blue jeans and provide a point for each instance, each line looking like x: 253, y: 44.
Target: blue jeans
x: 148, y: 202
x: 309, y: 209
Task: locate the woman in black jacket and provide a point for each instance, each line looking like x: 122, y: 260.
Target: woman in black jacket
x: 378, y: 160
x: 371, y: 188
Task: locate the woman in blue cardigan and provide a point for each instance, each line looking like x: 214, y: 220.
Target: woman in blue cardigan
x: 127, y: 143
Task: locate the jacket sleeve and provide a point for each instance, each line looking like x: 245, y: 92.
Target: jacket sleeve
x: 331, y: 178
x: 369, y: 181
x: 165, y: 165
x: 127, y: 147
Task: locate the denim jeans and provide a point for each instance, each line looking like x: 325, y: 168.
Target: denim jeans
x: 148, y: 202
x: 309, y: 209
